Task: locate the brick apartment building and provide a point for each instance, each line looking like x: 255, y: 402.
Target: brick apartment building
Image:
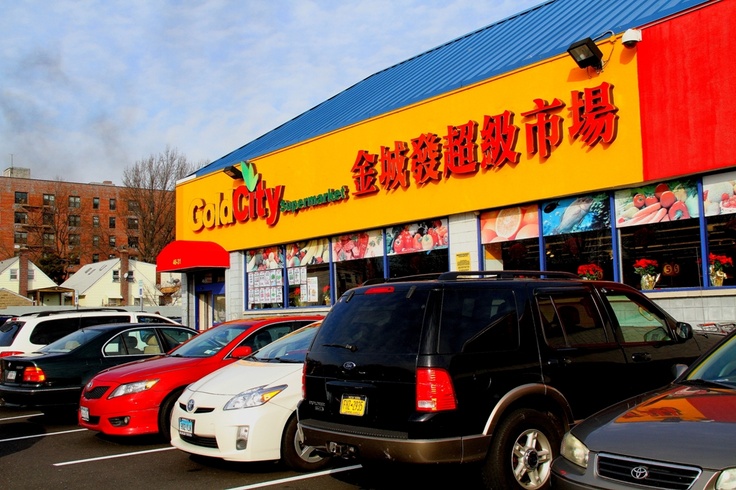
x: 82, y: 223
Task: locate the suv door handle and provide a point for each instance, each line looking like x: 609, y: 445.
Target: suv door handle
x: 565, y: 361
x: 641, y: 357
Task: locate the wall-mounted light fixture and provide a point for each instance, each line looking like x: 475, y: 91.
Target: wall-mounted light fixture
x: 586, y: 53
x: 233, y: 172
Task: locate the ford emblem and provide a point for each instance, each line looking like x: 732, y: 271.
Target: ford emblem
x: 348, y: 366
x: 190, y: 406
x: 640, y: 472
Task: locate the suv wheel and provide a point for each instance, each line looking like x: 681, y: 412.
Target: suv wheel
x: 522, y: 450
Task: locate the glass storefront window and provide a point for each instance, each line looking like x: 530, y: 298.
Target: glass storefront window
x: 577, y: 235
x: 357, y: 257
x: 510, y: 238
x: 265, y: 269
x: 658, y: 223
x: 719, y: 204
x: 308, y: 272
x: 417, y: 248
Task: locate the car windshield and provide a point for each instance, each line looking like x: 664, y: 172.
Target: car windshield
x: 289, y: 348
x: 72, y: 341
x: 719, y: 367
x: 209, y: 342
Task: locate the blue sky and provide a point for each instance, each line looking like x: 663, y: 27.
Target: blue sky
x: 88, y: 88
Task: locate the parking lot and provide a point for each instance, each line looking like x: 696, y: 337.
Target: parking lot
x: 40, y: 452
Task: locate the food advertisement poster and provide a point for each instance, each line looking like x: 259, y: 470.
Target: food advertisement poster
x: 718, y: 194
x: 262, y: 259
x: 357, y: 246
x: 417, y: 237
x: 576, y: 214
x: 308, y: 253
x: 657, y: 203
x: 514, y: 223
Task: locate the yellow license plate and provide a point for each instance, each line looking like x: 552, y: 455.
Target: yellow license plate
x: 352, y: 405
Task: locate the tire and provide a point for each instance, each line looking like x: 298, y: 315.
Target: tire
x: 295, y: 454
x: 521, y: 451
x: 164, y: 414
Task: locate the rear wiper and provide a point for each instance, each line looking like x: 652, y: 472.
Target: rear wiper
x: 350, y: 347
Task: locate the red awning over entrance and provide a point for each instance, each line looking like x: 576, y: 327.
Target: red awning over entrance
x: 182, y: 255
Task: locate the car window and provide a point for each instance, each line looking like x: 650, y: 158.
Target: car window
x: 289, y: 348
x: 152, y: 319
x: 636, y: 320
x: 47, y: 331
x: 72, y: 341
x: 264, y: 336
x: 209, y: 342
x: 128, y: 343
x: 571, y: 319
x: 174, y: 337
x: 8, y: 332
x: 478, y: 320
x: 89, y: 321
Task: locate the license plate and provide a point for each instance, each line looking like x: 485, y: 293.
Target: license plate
x: 186, y: 427
x: 10, y: 376
x: 353, y: 405
x: 84, y: 413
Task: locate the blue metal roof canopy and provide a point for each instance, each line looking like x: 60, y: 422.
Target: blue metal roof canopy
x: 532, y: 35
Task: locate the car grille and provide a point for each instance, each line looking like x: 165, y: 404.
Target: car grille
x: 95, y: 392
x: 646, y: 473
x: 200, y: 441
x: 198, y: 409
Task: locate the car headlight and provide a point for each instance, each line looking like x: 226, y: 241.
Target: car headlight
x: 130, y: 388
x: 253, y: 397
x: 727, y: 480
x: 574, y: 451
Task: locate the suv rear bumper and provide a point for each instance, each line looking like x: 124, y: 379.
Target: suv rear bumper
x: 351, y: 444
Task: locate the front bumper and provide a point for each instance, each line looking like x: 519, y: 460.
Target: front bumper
x: 119, y: 420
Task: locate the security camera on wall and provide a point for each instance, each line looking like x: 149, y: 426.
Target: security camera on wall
x: 631, y: 38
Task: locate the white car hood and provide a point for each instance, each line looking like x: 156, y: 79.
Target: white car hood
x: 243, y: 375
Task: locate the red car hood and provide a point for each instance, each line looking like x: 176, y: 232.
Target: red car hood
x: 156, y: 366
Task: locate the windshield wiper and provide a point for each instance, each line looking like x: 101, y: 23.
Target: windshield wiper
x: 350, y: 347
x: 708, y: 383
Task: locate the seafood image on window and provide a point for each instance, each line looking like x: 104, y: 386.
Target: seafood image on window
x: 576, y: 214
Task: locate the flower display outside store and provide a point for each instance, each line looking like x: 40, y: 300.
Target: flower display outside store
x: 646, y: 268
x: 716, y: 266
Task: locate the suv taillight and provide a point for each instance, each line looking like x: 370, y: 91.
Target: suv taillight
x: 33, y: 375
x: 11, y: 353
x: 304, y: 380
x: 435, y: 391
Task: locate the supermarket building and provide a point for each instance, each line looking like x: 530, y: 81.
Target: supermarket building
x: 497, y: 150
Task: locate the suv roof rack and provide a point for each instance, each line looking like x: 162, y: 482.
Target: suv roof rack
x: 58, y: 312
x: 458, y: 275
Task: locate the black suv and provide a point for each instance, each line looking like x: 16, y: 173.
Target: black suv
x: 489, y: 367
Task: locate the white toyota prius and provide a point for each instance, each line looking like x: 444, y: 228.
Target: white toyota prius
x: 246, y: 411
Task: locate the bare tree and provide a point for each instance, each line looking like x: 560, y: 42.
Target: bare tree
x: 149, y: 192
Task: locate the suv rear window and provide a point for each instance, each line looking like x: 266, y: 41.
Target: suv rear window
x: 8, y: 331
x: 385, y: 319
x: 48, y: 331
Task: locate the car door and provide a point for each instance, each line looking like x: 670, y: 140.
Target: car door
x: 648, y: 339
x: 580, y: 355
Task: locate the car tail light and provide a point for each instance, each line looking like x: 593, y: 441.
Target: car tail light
x: 33, y: 374
x: 435, y: 391
x: 11, y: 353
x: 304, y: 380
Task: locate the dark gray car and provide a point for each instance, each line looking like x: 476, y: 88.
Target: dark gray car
x: 680, y: 437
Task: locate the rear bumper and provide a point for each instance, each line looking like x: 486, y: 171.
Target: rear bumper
x: 41, y: 397
x: 347, y: 441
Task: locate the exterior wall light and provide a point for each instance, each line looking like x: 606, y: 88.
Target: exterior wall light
x: 233, y: 172
x: 586, y: 53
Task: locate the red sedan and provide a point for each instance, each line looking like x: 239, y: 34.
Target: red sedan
x: 137, y: 398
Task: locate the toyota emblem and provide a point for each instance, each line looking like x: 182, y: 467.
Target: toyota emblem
x: 640, y: 472
x: 348, y: 366
x: 190, y: 406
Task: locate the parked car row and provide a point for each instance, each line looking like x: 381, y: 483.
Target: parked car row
x: 523, y: 372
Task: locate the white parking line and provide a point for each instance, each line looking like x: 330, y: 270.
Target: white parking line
x: 297, y: 478
x: 3, y: 419
x: 79, y: 461
x: 42, y: 435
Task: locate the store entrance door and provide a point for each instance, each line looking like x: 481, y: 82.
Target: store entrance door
x: 204, y: 319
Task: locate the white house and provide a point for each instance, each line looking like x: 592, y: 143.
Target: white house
x: 20, y: 275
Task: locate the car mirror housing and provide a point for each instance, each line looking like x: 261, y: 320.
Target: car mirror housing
x: 684, y: 331
x: 241, y: 351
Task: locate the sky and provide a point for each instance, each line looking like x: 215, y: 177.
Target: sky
x: 89, y: 88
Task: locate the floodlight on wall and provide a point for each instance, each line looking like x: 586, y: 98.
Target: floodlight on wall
x: 233, y: 172
x: 586, y: 53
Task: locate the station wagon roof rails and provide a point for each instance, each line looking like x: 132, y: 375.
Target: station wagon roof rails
x: 58, y: 312
x: 507, y: 274
x: 417, y: 277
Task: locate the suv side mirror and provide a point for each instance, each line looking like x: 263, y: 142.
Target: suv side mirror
x: 241, y: 351
x: 684, y: 331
